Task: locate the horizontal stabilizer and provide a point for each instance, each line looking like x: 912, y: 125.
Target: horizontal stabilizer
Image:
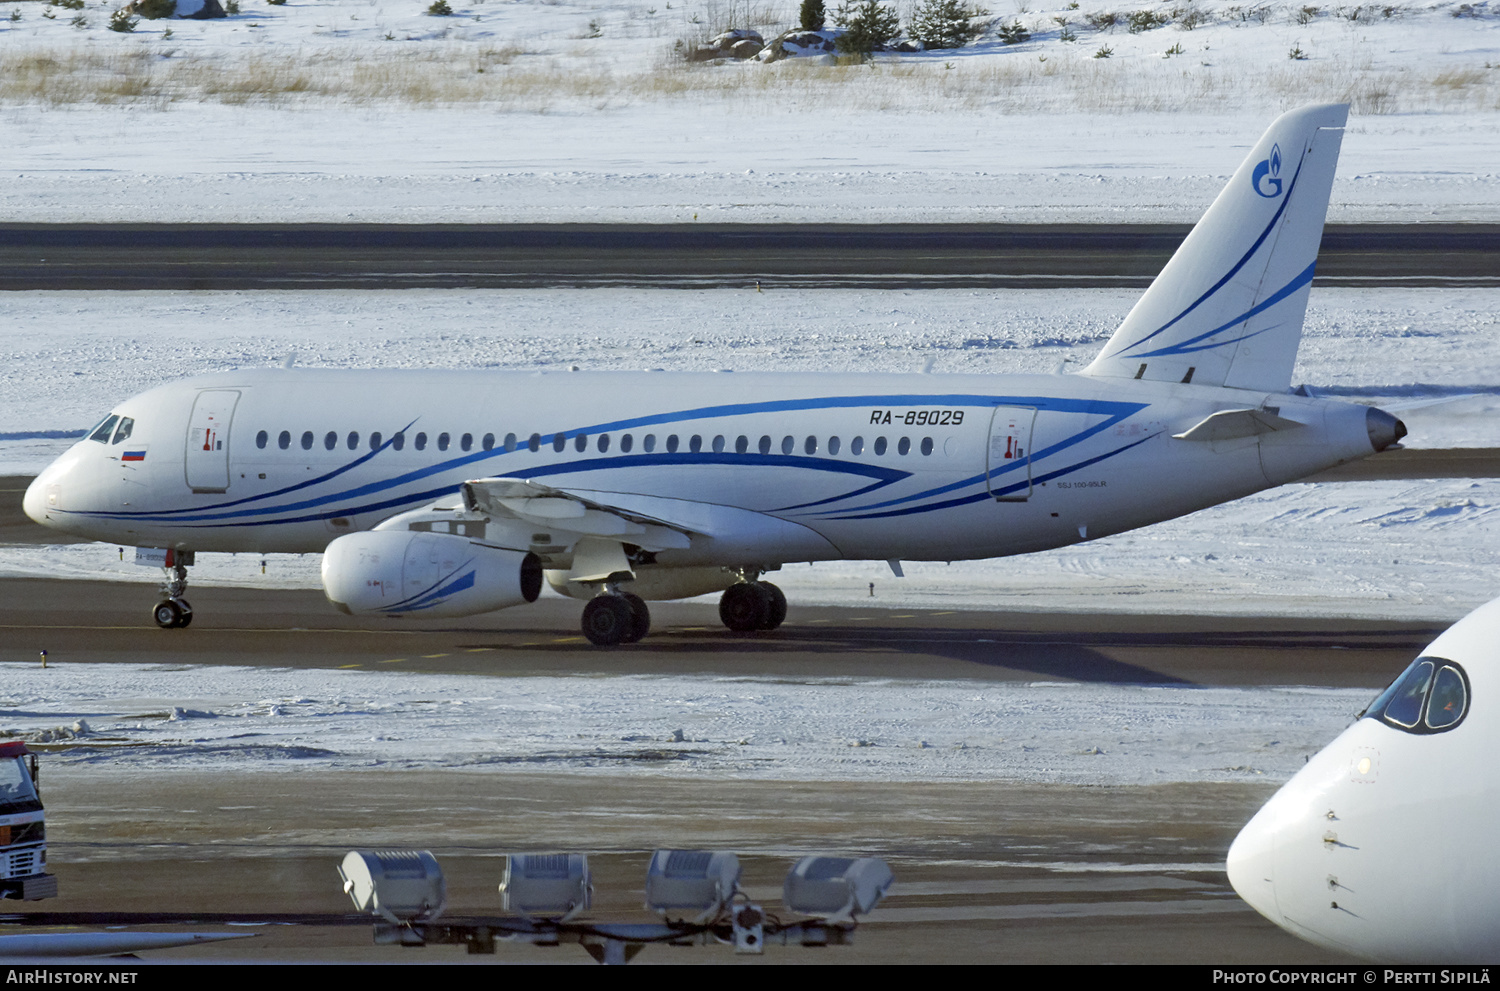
x: 1230, y: 424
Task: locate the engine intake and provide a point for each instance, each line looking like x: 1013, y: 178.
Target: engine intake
x: 416, y: 573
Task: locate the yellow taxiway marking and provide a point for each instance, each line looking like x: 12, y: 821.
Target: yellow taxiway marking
x: 478, y: 650
x: 568, y: 640
x: 394, y: 660
x: 345, y: 666
x: 817, y: 621
x: 431, y: 656
x: 905, y: 615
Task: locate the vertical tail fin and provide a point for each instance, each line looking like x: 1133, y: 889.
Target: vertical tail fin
x: 1228, y: 308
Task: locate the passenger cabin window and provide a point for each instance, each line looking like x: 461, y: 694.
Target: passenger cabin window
x: 649, y: 444
x: 261, y: 439
x: 443, y: 441
x: 603, y: 443
x: 106, y: 427
x: 741, y: 444
x: 903, y: 448
x: 535, y: 443
x: 626, y: 443
x: 559, y: 442
x: 352, y: 441
x: 489, y: 442
x: 581, y: 443
x: 788, y: 444
x: 466, y: 442
x: 331, y: 440
x: 857, y: 446
x: 307, y: 440
x: 375, y: 441
x: 672, y: 444
x: 1431, y: 696
x: 695, y: 444
x: 284, y: 441
x: 419, y: 442
x: 879, y: 446
x: 810, y: 446
x: 765, y: 445
x: 398, y: 441
x: 833, y: 445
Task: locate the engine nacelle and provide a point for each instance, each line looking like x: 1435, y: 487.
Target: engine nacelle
x: 417, y: 573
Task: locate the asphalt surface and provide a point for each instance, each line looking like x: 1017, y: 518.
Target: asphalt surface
x: 349, y: 256
x: 986, y: 872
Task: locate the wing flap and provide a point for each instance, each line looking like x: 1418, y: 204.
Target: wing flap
x: 558, y: 509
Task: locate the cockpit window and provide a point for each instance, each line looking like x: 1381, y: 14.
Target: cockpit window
x: 104, y: 429
x: 1431, y: 696
x: 1450, y: 697
x: 123, y: 430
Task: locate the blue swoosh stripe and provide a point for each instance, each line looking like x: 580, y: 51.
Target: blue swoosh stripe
x: 981, y: 496
x: 1305, y: 277
x: 435, y: 596
x: 1036, y: 456
x: 198, y: 514
x: 1227, y: 275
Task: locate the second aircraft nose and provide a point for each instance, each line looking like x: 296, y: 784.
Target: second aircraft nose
x: 1252, y: 869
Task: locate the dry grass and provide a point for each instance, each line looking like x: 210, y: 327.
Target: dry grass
x: 509, y: 79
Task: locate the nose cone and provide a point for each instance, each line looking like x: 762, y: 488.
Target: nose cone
x: 34, y: 502
x: 1384, y: 429
x: 1252, y: 868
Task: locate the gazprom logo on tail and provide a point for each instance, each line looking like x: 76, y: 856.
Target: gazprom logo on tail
x: 1266, y: 178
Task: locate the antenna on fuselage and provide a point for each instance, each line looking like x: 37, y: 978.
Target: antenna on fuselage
x: 289, y: 360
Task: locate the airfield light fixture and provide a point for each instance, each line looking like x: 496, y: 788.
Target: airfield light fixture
x: 696, y: 882
x: 400, y: 886
x: 547, y: 884
x: 836, y: 889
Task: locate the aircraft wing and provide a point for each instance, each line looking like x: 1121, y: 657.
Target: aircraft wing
x: 558, y: 509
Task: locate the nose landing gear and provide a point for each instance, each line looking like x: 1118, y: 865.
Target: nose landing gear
x: 173, y: 611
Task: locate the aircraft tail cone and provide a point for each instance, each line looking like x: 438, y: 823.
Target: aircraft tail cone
x: 1384, y: 428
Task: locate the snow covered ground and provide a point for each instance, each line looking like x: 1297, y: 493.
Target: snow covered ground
x: 369, y: 110
x: 154, y: 718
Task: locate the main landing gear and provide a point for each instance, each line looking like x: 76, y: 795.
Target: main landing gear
x: 613, y: 617
x: 752, y: 605
x: 173, y: 611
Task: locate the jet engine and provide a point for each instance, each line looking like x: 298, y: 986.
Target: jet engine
x: 417, y: 573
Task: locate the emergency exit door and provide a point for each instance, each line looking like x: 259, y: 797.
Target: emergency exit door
x: 207, y: 460
x: 1008, y: 467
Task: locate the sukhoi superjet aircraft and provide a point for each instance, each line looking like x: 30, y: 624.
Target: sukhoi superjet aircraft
x: 452, y: 493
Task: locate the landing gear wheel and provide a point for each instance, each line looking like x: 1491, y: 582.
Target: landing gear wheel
x: 776, y: 608
x: 172, y: 614
x: 608, y: 620
x: 745, y: 607
x: 640, y: 616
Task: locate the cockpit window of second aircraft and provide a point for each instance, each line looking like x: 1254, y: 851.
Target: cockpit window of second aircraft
x: 1431, y: 696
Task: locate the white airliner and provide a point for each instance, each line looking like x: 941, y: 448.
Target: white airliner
x: 451, y: 493
x: 1382, y: 846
